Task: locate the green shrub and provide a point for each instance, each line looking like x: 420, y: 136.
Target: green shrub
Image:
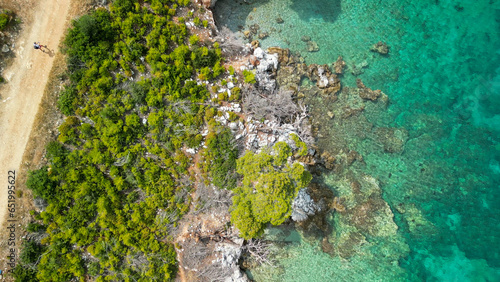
x: 67, y: 102
x: 268, y: 188
x: 4, y: 19
x: 197, y: 21
x: 193, y: 39
x: 23, y: 273
x: 222, y: 96
x: 41, y: 184
x: 35, y: 227
x: 30, y: 252
x: 204, y: 57
x: 108, y: 189
x: 249, y: 77
x: 235, y: 94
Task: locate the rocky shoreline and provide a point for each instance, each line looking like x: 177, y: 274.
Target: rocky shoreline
x: 360, y: 203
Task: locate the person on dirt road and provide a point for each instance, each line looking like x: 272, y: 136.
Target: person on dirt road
x: 37, y: 45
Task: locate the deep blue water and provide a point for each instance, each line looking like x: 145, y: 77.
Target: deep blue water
x: 442, y: 76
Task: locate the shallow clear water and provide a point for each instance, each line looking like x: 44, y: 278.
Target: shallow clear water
x: 442, y: 76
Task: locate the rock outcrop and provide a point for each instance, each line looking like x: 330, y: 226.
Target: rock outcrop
x: 228, y: 255
x: 392, y: 139
x: 327, y: 81
x: 312, y: 46
x: 304, y: 206
x: 266, y: 69
x: 380, y: 47
x: 339, y: 65
x: 366, y: 93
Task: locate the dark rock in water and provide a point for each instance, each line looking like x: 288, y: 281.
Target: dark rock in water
x: 279, y: 20
x: 327, y: 247
x: 283, y: 54
x: 255, y: 44
x: 254, y: 28
x: 305, y: 38
x: 328, y: 160
x: 327, y: 81
x: 366, y: 93
x: 263, y: 35
x: 312, y: 46
x: 380, y: 47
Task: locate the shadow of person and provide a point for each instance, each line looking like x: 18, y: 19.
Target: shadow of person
x: 47, y: 50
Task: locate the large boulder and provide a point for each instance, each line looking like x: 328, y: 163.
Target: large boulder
x: 5, y: 48
x: 266, y: 69
x: 304, y: 206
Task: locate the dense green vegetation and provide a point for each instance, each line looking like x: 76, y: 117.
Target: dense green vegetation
x: 219, y: 159
x: 270, y: 183
x: 5, y: 18
x: 118, y: 179
x: 115, y: 183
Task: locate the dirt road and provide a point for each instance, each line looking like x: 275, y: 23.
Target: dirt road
x: 27, y: 77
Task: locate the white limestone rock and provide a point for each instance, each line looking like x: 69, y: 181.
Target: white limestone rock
x: 303, y: 206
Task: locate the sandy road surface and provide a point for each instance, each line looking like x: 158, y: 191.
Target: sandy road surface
x: 27, y: 77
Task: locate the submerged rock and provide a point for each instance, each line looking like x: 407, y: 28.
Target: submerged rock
x: 380, y: 47
x: 392, y: 139
x: 366, y: 93
x: 5, y: 48
x: 254, y: 28
x: 312, y: 46
x: 357, y: 69
x: 339, y: 65
x: 263, y: 35
x: 305, y: 38
x: 255, y: 44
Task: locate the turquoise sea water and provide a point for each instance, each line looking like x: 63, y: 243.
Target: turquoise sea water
x: 442, y: 76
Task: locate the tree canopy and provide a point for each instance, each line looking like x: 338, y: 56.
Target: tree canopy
x: 270, y: 183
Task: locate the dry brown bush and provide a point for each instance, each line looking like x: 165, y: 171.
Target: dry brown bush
x: 230, y: 44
